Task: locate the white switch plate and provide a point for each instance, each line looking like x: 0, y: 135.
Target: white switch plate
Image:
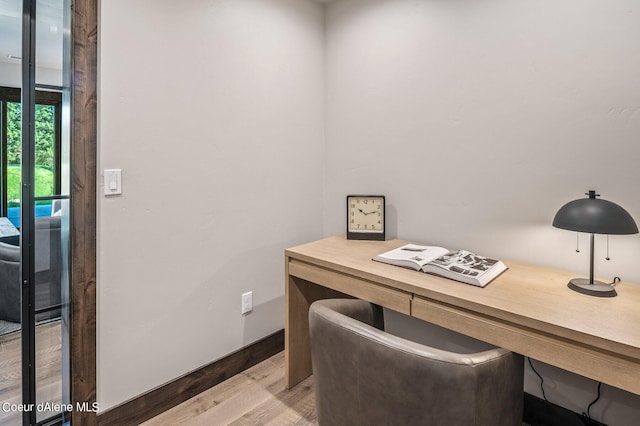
x: 112, y: 181
x: 247, y: 302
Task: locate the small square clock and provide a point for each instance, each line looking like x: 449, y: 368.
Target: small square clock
x: 365, y: 217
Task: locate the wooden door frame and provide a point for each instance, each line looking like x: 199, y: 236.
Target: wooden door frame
x: 82, y: 221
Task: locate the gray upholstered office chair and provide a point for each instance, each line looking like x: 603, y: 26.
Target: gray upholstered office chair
x: 366, y: 376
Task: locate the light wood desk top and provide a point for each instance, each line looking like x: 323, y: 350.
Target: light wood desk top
x: 527, y: 309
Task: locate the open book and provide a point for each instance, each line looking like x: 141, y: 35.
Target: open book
x: 460, y: 265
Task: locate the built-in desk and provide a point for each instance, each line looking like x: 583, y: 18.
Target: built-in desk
x: 528, y: 309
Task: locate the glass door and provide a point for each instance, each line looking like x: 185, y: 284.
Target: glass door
x: 50, y: 209
x: 34, y: 206
x: 11, y: 356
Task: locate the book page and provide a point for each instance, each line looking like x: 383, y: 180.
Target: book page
x: 465, y: 263
x: 412, y: 255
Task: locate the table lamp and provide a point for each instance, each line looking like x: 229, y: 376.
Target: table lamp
x: 594, y: 216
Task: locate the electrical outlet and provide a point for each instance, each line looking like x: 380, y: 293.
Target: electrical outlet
x: 247, y: 302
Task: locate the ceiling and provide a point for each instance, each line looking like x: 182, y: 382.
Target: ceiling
x: 49, y: 32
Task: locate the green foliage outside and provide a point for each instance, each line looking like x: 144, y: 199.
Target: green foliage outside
x: 45, y: 134
x: 45, y: 145
x: 44, y: 184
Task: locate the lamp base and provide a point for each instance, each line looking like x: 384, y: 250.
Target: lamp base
x: 597, y: 288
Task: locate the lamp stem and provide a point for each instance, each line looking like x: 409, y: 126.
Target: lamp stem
x: 591, y: 260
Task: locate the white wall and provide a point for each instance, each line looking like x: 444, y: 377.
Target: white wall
x: 214, y: 111
x: 478, y: 120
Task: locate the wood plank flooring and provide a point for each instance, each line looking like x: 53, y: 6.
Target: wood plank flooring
x: 256, y: 396
x: 48, y: 370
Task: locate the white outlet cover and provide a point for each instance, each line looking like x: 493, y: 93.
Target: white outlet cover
x: 247, y: 302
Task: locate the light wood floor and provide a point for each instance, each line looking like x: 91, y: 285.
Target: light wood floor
x: 256, y: 396
x: 48, y: 370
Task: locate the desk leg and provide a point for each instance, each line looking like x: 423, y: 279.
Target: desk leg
x: 299, y: 295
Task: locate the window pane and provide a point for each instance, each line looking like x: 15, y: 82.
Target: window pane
x: 48, y: 365
x: 14, y: 143
x: 49, y: 42
x: 10, y: 288
x: 45, y: 147
x: 45, y: 159
x: 50, y: 279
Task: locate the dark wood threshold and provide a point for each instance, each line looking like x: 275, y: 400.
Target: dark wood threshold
x: 538, y: 412
x: 156, y: 401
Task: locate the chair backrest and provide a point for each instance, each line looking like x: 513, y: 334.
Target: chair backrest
x: 365, y: 376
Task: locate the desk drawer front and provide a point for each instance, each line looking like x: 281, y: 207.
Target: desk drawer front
x: 573, y: 356
x: 362, y: 289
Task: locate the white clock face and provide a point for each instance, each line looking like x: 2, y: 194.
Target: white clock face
x: 366, y: 214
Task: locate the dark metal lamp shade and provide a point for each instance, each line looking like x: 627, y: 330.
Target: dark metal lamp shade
x: 594, y: 216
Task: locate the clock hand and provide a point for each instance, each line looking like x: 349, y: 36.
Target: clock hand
x: 365, y: 213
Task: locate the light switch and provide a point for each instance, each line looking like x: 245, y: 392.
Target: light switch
x: 112, y: 181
